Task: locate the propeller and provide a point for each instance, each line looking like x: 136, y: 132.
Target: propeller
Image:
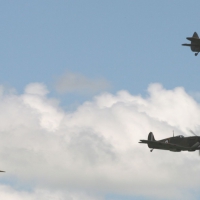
x: 193, y: 132
x: 194, y: 135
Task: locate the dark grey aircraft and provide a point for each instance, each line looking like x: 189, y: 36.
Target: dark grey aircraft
x: 195, y: 43
x: 175, y: 143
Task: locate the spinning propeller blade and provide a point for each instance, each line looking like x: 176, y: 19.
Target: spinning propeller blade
x: 193, y: 132
x: 195, y: 135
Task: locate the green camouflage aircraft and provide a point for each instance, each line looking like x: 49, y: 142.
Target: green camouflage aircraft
x: 175, y: 143
x: 195, y: 43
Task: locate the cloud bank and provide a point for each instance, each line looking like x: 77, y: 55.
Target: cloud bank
x: 94, y: 150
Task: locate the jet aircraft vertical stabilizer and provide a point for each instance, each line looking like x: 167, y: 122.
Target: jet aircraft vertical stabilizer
x: 195, y: 35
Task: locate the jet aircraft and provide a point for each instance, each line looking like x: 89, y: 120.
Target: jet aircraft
x: 175, y: 143
x: 195, y: 43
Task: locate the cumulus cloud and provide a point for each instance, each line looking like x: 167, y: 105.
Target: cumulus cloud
x: 8, y: 193
x: 78, y: 83
x: 95, y: 148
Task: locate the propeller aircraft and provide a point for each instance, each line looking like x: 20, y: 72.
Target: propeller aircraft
x: 175, y: 143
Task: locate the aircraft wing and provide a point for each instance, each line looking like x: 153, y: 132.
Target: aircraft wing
x: 191, y: 45
x: 194, y: 40
x: 163, y: 145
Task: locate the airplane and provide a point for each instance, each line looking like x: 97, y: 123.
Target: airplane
x: 195, y: 43
x: 176, y: 143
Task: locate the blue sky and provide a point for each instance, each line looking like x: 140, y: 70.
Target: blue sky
x: 130, y: 43
x: 124, y: 45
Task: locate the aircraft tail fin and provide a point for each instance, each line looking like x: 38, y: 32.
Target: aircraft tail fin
x: 195, y: 35
x: 151, y: 137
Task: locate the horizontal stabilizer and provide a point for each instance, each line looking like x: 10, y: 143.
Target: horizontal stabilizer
x: 191, y: 45
x: 148, y: 142
x: 194, y: 40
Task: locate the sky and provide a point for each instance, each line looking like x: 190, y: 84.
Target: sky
x: 81, y: 83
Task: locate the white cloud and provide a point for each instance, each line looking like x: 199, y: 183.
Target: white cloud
x: 8, y: 193
x: 95, y: 148
x: 36, y: 89
x: 72, y: 82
